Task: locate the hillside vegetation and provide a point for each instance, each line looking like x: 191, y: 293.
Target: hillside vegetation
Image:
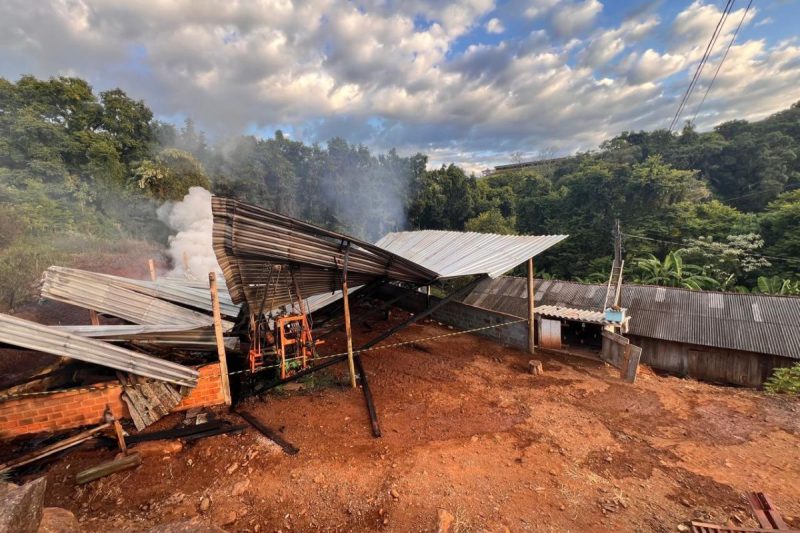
x: 82, y: 173
x: 715, y: 210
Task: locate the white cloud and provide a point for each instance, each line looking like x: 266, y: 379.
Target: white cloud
x: 495, y: 26
x: 608, y: 44
x: 651, y: 66
x: 764, y: 21
x: 328, y: 67
x: 572, y: 18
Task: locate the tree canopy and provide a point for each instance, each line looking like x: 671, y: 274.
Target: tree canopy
x: 722, y: 205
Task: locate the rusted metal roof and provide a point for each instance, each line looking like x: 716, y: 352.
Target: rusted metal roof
x: 26, y: 334
x: 257, y: 248
x: 757, y: 323
x: 452, y: 253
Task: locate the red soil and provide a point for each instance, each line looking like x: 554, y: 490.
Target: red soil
x: 466, y: 429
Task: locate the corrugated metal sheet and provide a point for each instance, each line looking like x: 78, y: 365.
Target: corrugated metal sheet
x: 570, y: 313
x: 87, y: 290
x: 252, y: 243
x: 186, y: 293
x: 177, y: 336
x: 718, y: 319
x: 550, y: 334
x: 451, y: 253
x: 33, y: 336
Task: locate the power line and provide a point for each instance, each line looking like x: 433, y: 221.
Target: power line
x: 728, y: 49
x: 787, y: 188
x: 712, y: 41
x: 701, y: 243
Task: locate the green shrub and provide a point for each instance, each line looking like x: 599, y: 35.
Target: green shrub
x: 784, y: 380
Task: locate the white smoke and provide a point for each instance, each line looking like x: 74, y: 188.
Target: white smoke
x: 190, y: 248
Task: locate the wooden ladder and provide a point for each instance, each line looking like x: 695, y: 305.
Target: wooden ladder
x: 613, y: 292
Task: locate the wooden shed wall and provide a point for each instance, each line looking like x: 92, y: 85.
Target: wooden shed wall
x: 710, y: 364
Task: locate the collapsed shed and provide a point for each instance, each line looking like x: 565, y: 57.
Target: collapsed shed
x: 278, y: 270
x: 270, y: 260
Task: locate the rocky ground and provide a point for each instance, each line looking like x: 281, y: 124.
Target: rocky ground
x: 470, y: 439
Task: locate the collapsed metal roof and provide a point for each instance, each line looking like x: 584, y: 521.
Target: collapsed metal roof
x: 748, y: 322
x: 201, y: 339
x: 262, y: 254
x: 451, y: 253
x: 26, y: 334
x: 187, y: 293
x: 108, y: 295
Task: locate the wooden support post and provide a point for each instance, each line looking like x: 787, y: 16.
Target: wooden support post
x: 373, y: 413
x: 347, y: 329
x: 94, y: 317
x: 349, y: 333
x: 223, y: 360
x: 120, y: 437
x: 152, y: 265
x: 531, y: 318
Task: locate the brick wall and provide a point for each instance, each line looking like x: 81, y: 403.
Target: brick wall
x: 63, y: 410
x: 84, y: 407
x: 208, y: 391
x: 463, y: 316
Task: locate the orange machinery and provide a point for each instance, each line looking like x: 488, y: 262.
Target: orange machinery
x: 289, y: 342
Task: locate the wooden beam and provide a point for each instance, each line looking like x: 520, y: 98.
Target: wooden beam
x: 349, y: 333
x: 108, y: 468
x: 373, y: 413
x: 53, y: 448
x: 531, y: 318
x: 271, y: 434
x: 120, y: 437
x: 347, y: 329
x: 223, y: 360
x: 152, y: 266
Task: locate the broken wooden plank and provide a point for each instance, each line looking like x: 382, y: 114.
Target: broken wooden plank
x: 765, y: 512
x: 228, y: 428
x: 108, y: 468
x: 271, y: 434
x: 53, y: 448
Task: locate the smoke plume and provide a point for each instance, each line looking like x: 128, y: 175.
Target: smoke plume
x: 190, y: 248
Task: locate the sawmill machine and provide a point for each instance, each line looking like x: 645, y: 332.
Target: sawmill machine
x: 281, y: 337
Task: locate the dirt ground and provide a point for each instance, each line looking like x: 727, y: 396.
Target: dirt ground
x: 466, y: 429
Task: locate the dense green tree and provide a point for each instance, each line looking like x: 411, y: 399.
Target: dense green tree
x: 491, y: 221
x: 780, y: 226
x: 171, y: 174
x: 672, y: 272
x: 445, y: 200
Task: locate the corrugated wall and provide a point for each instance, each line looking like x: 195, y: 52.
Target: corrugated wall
x: 718, y: 365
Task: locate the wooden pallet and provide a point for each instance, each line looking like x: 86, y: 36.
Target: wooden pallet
x: 148, y: 400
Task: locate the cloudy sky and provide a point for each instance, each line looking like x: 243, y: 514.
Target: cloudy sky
x: 471, y: 82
